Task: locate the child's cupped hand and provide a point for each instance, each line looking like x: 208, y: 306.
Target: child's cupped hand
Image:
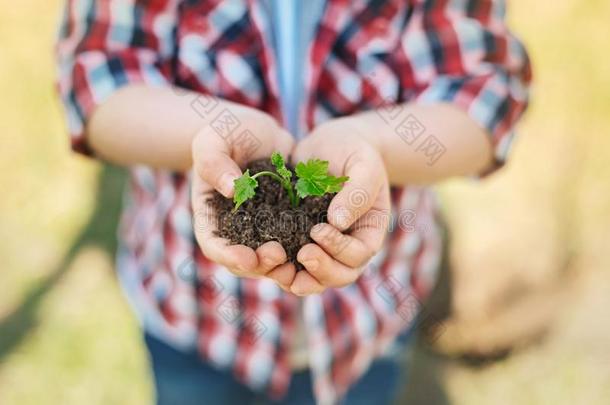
x: 218, y: 153
x: 358, y: 216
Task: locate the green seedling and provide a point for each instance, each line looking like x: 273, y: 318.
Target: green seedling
x: 312, y: 180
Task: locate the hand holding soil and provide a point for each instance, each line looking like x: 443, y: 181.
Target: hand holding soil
x: 358, y: 215
x: 216, y: 164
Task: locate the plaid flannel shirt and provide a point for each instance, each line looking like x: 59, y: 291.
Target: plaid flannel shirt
x: 365, y: 55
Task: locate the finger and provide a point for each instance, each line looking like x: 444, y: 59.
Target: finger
x: 323, y: 268
x: 239, y: 258
x: 372, y: 228
x: 270, y: 255
x: 347, y: 249
x: 305, y: 284
x: 213, y: 163
x: 358, y: 194
x: 283, y: 275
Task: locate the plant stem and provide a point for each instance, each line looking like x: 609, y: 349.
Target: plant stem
x: 294, y: 201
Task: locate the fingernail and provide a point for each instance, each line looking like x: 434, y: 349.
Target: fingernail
x: 311, y: 264
x: 317, y: 228
x: 226, y: 184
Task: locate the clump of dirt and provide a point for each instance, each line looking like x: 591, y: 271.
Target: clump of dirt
x: 269, y: 216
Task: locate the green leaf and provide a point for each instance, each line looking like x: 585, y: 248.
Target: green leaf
x: 280, y: 166
x: 244, y: 189
x: 315, y: 180
x: 335, y: 184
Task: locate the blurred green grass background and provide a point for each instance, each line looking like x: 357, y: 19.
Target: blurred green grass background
x: 68, y: 337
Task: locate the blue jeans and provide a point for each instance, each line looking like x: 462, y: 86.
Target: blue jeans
x: 184, y: 379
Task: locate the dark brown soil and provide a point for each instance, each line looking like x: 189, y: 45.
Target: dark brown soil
x: 269, y: 217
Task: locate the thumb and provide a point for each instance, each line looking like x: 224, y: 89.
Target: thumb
x: 356, y: 198
x: 213, y: 163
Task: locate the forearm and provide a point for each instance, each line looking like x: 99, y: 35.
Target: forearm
x: 152, y: 126
x: 460, y: 147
